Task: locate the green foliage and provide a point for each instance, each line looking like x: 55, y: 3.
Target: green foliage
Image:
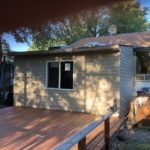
x: 68, y: 30
x: 45, y: 37
x: 128, y: 16
x: 85, y: 24
x: 41, y: 37
x: 23, y: 35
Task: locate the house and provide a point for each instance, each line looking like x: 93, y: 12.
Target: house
x: 140, y: 42
x: 89, y: 76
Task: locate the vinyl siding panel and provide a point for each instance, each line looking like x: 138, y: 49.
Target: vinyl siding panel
x: 127, y: 73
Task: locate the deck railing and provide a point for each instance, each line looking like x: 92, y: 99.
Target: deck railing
x: 80, y: 136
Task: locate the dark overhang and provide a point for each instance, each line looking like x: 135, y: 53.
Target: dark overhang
x: 142, y: 49
x: 82, y: 50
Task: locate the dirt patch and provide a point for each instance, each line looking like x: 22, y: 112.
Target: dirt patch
x: 135, y: 139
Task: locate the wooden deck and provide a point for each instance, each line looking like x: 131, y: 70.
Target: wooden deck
x: 27, y: 128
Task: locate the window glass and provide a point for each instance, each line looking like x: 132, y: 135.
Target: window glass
x: 53, y: 74
x: 67, y: 75
x: 60, y: 78
x: 147, y: 77
x: 139, y: 77
x: 143, y: 63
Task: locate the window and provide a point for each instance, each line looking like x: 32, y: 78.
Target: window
x: 60, y: 75
x: 66, y: 75
x: 143, y: 66
x: 53, y: 74
x: 143, y: 63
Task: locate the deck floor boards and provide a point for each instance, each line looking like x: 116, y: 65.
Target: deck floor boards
x: 27, y: 128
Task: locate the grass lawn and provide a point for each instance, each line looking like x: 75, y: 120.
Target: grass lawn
x: 134, y: 145
x: 135, y: 139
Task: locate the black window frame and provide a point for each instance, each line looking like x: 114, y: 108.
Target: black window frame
x: 141, y: 75
x: 141, y: 61
x: 59, y: 74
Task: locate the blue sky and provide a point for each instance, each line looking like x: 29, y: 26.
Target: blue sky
x: 24, y: 47
x: 146, y: 3
x: 15, y: 46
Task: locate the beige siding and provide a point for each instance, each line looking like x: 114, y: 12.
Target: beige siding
x: 95, y: 84
x: 102, y: 87
x: 127, y: 72
x: 30, y: 85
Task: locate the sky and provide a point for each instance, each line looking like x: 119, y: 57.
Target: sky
x: 14, y: 46
x: 146, y: 3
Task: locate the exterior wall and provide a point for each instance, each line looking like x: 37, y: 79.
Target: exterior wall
x: 95, y: 84
x: 30, y: 85
x: 102, y: 82
x: 127, y: 75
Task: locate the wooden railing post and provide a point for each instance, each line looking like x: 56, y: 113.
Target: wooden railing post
x: 82, y: 144
x: 107, y: 132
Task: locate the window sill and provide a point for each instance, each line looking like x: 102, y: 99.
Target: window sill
x: 56, y: 89
x: 142, y: 80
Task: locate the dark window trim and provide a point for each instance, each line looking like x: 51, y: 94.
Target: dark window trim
x: 59, y: 82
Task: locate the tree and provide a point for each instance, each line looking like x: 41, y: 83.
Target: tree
x: 69, y: 29
x: 23, y: 35
x: 45, y: 37
x: 86, y: 24
x: 3, y: 46
x: 128, y: 17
